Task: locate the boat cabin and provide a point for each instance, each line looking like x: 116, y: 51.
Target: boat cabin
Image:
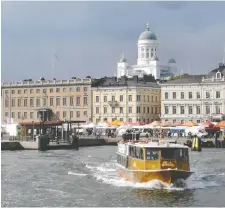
x: 138, y: 156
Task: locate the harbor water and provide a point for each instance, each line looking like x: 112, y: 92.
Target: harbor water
x: 88, y: 178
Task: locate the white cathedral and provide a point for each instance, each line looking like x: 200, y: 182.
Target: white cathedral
x: 147, y: 62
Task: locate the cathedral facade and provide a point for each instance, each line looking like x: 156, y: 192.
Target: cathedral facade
x: 147, y: 61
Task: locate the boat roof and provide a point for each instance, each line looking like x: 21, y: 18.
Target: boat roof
x: 151, y: 144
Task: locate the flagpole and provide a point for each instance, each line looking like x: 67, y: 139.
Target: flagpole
x: 53, y: 66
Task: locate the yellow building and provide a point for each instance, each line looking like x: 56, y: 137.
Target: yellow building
x: 46, y: 100
x: 129, y: 100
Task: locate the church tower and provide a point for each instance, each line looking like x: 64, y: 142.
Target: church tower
x: 147, y: 47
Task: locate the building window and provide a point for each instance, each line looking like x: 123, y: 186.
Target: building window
x: 218, y: 109
x: 19, y: 102
x: 51, y: 90
x: 64, y: 89
x: 71, y: 114
x: 64, y: 101
x: 181, y: 109
x: 182, y: 121
x: 31, y: 115
x: 64, y: 114
x: 25, y: 115
x: 85, y: 113
x: 121, y: 98
x: 174, y: 121
x: 152, y: 111
x: 78, y: 114
x: 105, y: 99
x: 190, y: 95
x: 13, y: 114
x: 85, y: 89
x: 130, y: 120
x: 207, y: 109
x: 71, y: 89
x: 71, y: 101
x: 144, y: 98
x: 57, y: 101
x: 152, y: 99
x: 198, y: 95
x: 138, y: 109
x: 37, y: 90
x: 105, y: 109
x: 31, y: 90
x: 25, y: 102
x: 143, y: 109
x: 121, y: 119
x: 113, y: 109
x: 78, y: 89
x: 31, y: 102
x: 38, y: 102
x: 51, y: 101
x: 148, y: 98
x: 6, y: 102
x: 130, y: 110
x: 13, y: 92
x: 147, y: 110
x: 166, y: 108
x: 13, y: 103
x: 6, y: 92
x: 6, y: 114
x: 57, y: 89
x: 198, y: 121
x: 19, y: 92
x: 44, y: 91
x: 97, y: 99
x: 207, y: 94
x: 85, y: 100
x: 78, y: 100
x: 182, y: 95
x: 130, y: 98
x: 198, y: 110
x: 97, y: 110
x: 156, y: 99
x: 44, y: 101
x: 174, y: 109
x: 121, y: 109
x: 156, y: 111
x: 166, y: 95
x: 217, y: 94
x: 138, y: 98
x: 174, y: 95
x: 113, y: 98
x: 190, y: 110
x: 19, y: 115
x: 57, y: 115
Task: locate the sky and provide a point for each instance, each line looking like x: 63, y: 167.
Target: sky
x: 89, y: 37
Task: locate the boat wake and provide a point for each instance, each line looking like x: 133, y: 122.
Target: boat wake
x: 106, y: 173
x: 77, y: 174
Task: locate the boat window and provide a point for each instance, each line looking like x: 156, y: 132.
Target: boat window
x: 168, y: 153
x: 136, y: 152
x: 152, y: 154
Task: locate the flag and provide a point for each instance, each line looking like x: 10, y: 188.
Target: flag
x: 56, y: 56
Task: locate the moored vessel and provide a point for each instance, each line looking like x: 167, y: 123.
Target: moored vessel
x: 146, y: 160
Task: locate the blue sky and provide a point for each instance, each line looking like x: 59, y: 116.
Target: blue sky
x: 89, y: 37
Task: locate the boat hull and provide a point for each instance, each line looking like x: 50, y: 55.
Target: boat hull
x: 167, y: 176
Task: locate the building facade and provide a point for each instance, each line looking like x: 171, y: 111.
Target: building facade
x: 147, y: 61
x: 128, y: 100
x: 196, y: 98
x: 46, y: 100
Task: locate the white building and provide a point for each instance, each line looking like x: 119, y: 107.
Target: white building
x: 194, y: 98
x: 148, y: 61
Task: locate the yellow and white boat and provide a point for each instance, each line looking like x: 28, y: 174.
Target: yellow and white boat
x: 143, y: 161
